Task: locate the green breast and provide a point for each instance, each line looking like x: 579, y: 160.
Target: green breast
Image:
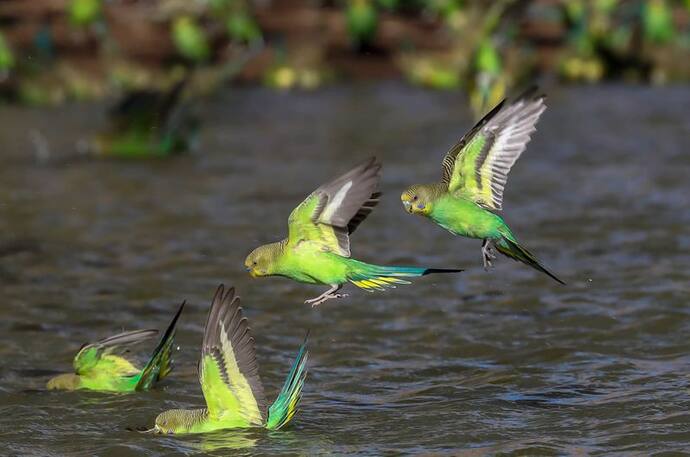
x: 308, y: 263
x: 110, y: 383
x: 465, y: 218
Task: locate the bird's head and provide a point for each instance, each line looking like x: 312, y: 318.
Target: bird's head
x: 418, y: 199
x: 168, y: 422
x: 261, y: 260
x: 67, y: 381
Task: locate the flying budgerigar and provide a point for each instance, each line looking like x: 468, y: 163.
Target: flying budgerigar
x: 98, y: 367
x: 229, y: 378
x: 475, y: 172
x: 317, y: 249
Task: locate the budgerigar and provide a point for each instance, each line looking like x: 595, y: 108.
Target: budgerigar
x: 229, y: 378
x: 317, y: 249
x: 146, y: 123
x: 475, y: 172
x: 97, y: 367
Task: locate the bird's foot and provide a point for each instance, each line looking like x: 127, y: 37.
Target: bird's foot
x: 314, y: 302
x: 488, y: 254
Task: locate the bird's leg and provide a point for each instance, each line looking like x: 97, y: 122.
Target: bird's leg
x: 488, y: 253
x: 329, y: 294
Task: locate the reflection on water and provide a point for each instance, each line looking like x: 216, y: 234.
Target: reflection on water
x: 228, y: 440
x: 476, y: 364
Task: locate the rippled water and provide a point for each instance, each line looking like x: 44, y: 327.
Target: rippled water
x: 480, y: 363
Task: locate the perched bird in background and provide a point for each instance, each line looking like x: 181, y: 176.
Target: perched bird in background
x: 96, y: 367
x: 190, y: 39
x: 7, y: 60
x: 84, y: 12
x: 657, y: 22
x: 229, y: 378
x: 147, y: 123
x: 488, y: 83
x: 361, y: 19
x: 317, y: 249
x: 475, y: 172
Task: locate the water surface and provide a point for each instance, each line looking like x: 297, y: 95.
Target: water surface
x: 478, y: 363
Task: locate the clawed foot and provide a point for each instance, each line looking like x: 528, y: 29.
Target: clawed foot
x: 488, y: 254
x: 314, y: 302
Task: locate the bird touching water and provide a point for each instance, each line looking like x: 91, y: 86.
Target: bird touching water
x: 97, y: 367
x: 229, y: 378
x: 317, y: 249
x: 475, y: 172
x: 146, y: 124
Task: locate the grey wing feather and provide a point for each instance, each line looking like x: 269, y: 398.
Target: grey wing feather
x: 364, y: 211
x: 347, y: 193
x: 449, y: 159
x: 226, y: 313
x: 507, y: 136
x: 347, y: 200
x: 507, y: 129
x: 123, y: 339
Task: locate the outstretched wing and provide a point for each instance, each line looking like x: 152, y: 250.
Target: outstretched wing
x: 160, y: 363
x: 333, y: 211
x: 146, y: 109
x: 478, y: 166
x: 228, y: 371
x: 95, y: 356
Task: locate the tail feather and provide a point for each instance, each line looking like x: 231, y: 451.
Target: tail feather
x: 160, y: 363
x: 375, y: 277
x: 284, y: 408
x: 512, y: 249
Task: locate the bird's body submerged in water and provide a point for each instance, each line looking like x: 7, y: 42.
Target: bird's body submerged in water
x: 97, y: 367
x: 317, y: 249
x: 475, y: 172
x: 229, y: 378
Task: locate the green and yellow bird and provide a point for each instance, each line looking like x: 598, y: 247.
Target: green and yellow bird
x: 146, y: 124
x: 475, y: 172
x: 97, y: 367
x: 317, y: 249
x: 229, y: 378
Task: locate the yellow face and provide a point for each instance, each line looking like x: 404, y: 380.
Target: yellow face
x: 166, y: 423
x: 67, y: 381
x: 258, y: 261
x: 416, y: 200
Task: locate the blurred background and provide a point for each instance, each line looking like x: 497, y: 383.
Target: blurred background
x: 52, y: 51
x: 147, y: 146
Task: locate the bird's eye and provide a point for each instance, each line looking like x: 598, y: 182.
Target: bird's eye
x: 415, y: 198
x: 254, y: 263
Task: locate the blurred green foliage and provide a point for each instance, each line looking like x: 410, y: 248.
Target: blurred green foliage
x: 657, y: 22
x: 483, y: 47
x: 190, y: 39
x: 6, y: 56
x: 84, y: 12
x: 362, y: 20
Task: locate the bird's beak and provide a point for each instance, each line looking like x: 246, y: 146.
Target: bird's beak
x: 407, y: 205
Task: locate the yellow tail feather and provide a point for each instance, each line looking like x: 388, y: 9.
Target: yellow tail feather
x: 379, y: 283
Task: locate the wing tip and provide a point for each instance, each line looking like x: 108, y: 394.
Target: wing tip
x: 532, y: 92
x: 224, y: 295
x: 375, y: 165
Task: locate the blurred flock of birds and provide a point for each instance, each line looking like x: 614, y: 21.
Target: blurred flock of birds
x: 57, y: 50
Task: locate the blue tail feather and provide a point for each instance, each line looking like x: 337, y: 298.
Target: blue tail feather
x: 285, y: 406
